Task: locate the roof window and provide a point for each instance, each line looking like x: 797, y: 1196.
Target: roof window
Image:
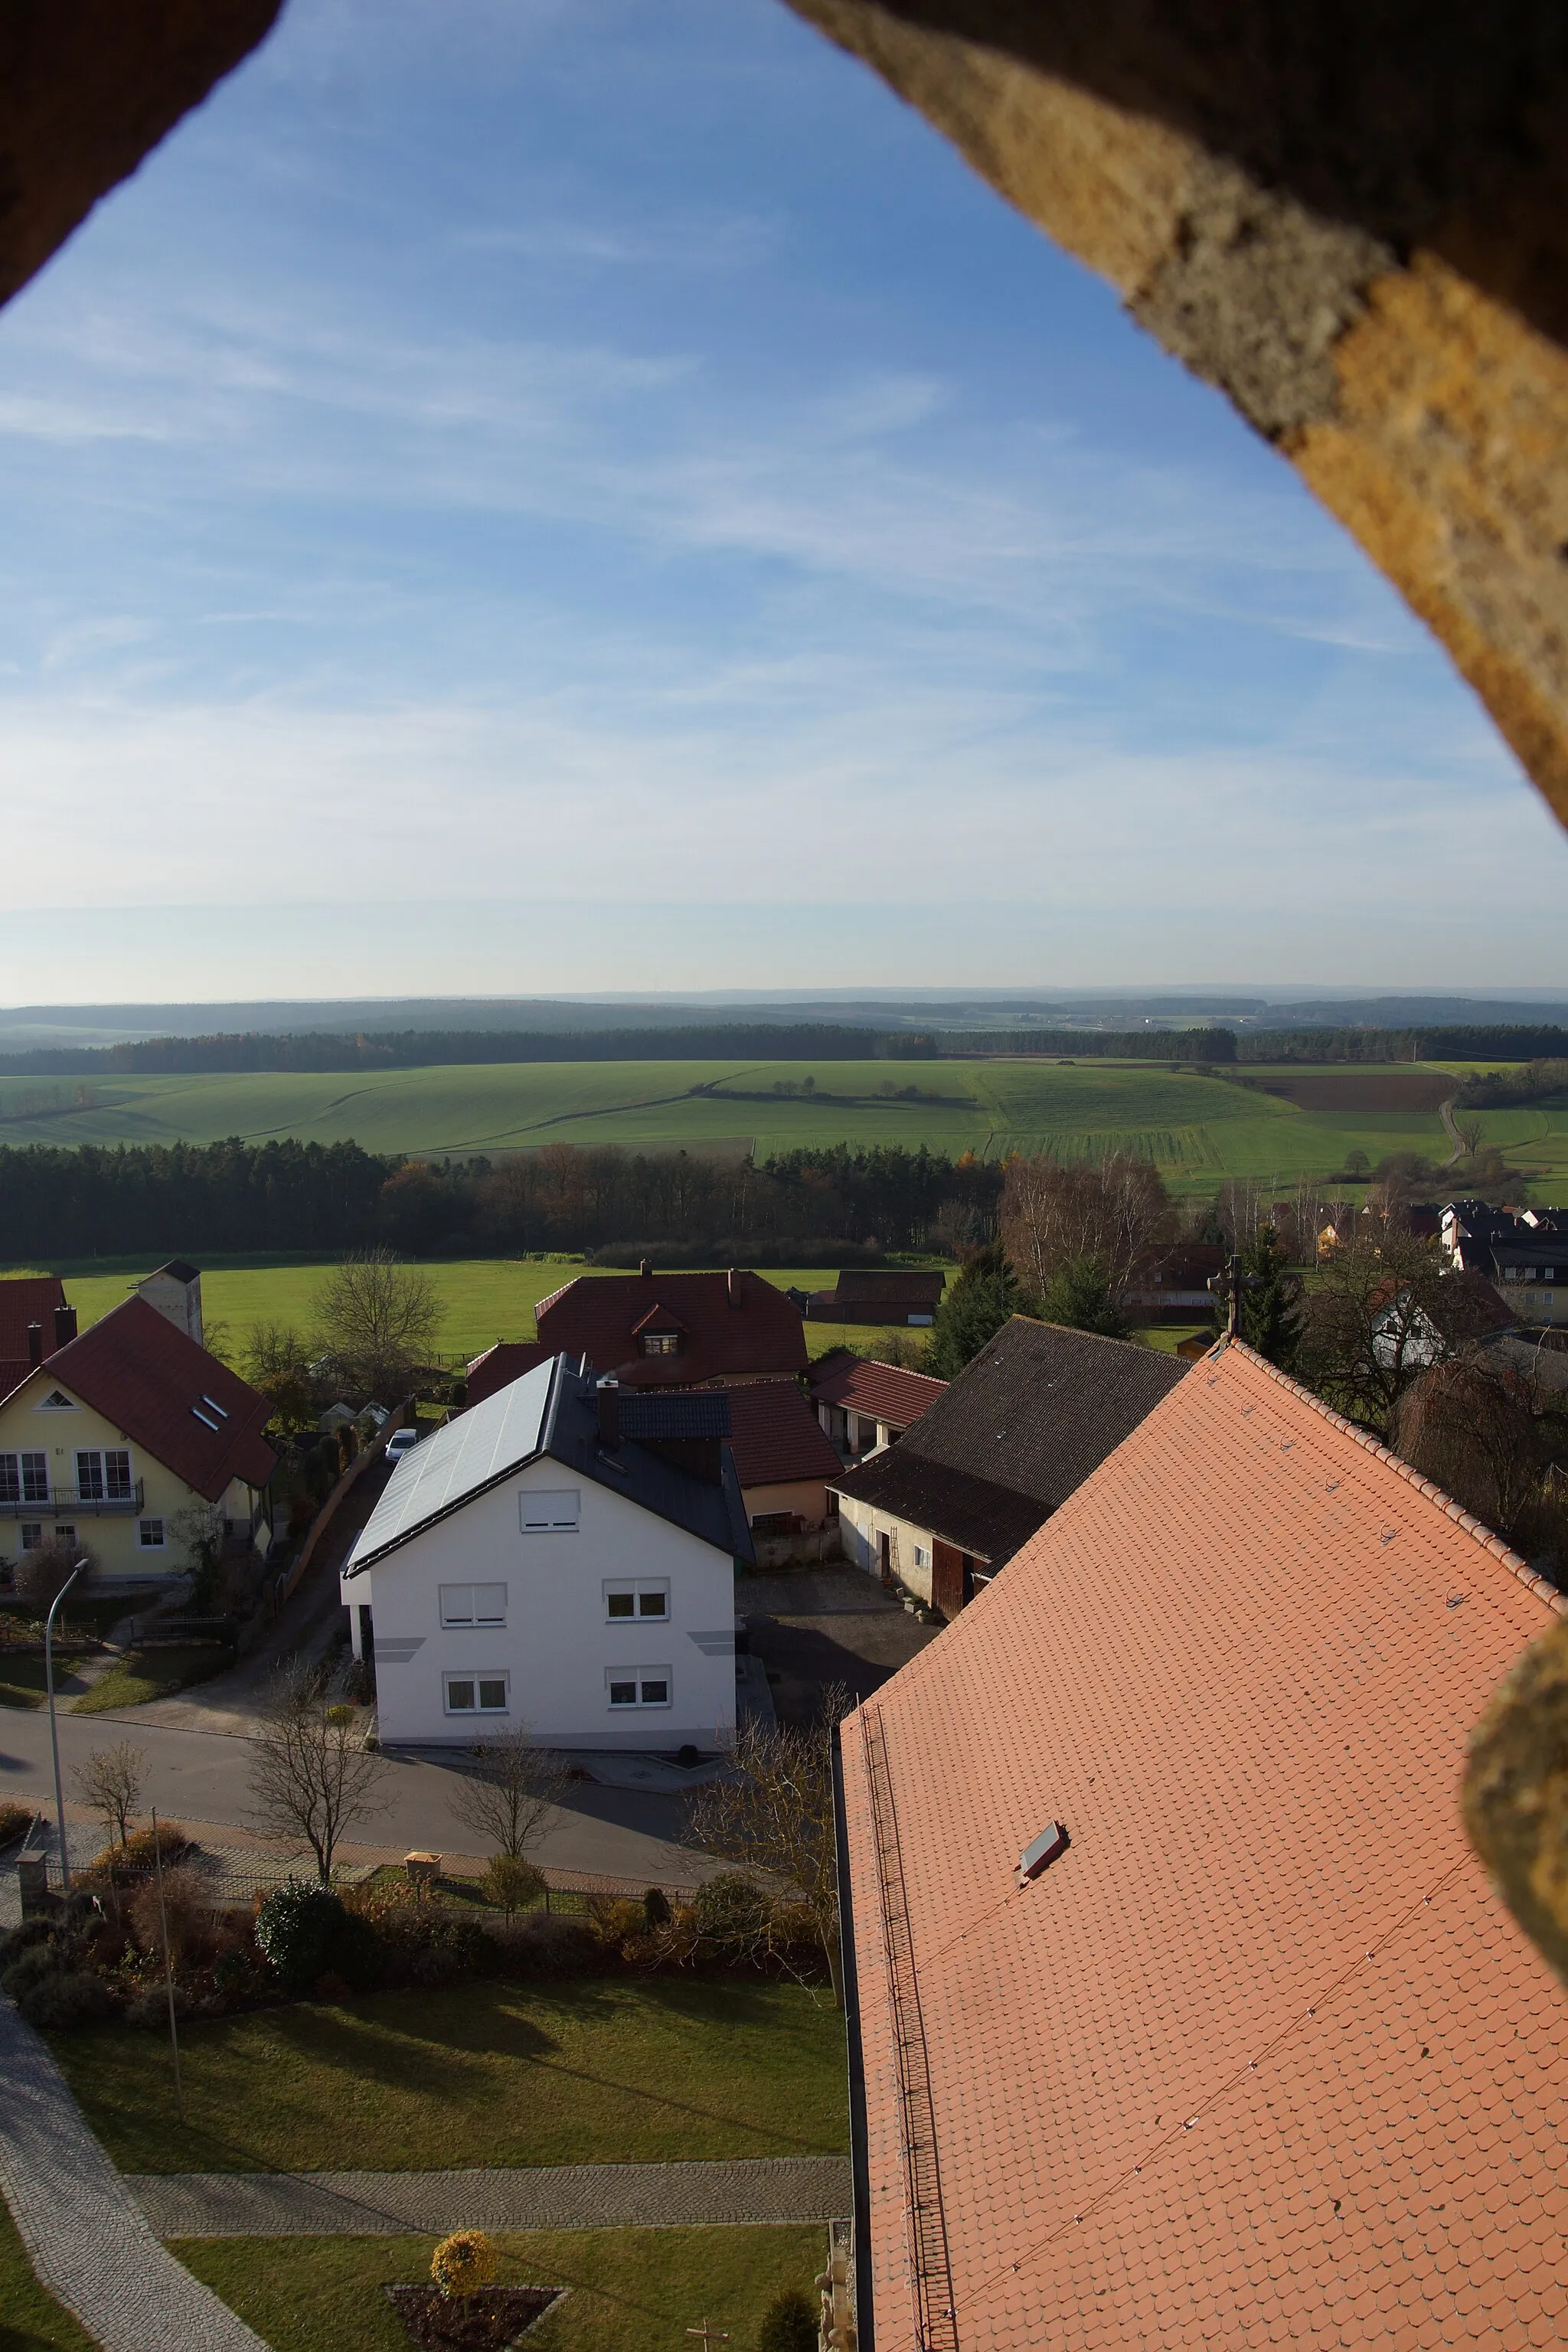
x: 207, y: 1420
x: 1042, y: 1852
x: 213, y: 1404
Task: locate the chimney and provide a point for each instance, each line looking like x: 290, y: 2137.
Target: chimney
x: 734, y: 1287
x: 608, y: 1393
x: 35, y: 1346
x: 644, y: 1267
x: 65, y: 1325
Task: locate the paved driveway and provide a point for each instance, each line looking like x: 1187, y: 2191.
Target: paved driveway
x: 825, y: 1625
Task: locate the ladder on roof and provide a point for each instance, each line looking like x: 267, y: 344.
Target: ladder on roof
x: 930, y: 2272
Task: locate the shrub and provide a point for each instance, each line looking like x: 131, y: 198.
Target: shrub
x: 615, y: 1921
x: 15, y: 1820
x: 512, y: 1884
x: 37, y: 1930
x: 356, y: 1954
x: 789, y: 2323
x: 186, y: 1907
x: 541, y: 1944
x: 464, y: 2262
x: 295, y: 1928
x: 656, y: 1908
x: 59, y: 2003
x: 149, y: 2007
x: 141, y: 1851
x: 234, y: 1976
x: 30, y: 1969
x: 732, y: 1911
x: 41, y: 1575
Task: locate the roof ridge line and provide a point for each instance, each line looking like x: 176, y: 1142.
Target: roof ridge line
x: 1487, y: 1537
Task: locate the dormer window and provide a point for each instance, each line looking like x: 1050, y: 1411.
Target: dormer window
x: 661, y: 1343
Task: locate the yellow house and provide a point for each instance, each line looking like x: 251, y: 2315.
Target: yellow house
x: 132, y: 1441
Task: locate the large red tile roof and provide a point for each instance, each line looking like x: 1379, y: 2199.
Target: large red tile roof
x: 155, y: 1382
x: 775, y: 1437
x: 884, y: 1392
x: 1261, y: 2060
x: 507, y: 1361
x: 732, y: 1326
x: 26, y: 1298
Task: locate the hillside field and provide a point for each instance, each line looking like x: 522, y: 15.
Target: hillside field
x: 1275, y: 1126
x: 484, y: 1299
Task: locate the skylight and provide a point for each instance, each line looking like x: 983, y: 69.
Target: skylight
x: 206, y: 1422
x: 1042, y: 1852
x: 215, y: 1405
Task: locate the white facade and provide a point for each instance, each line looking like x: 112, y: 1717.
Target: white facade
x: 873, y: 1540
x: 550, y: 1600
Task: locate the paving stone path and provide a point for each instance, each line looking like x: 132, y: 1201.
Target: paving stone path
x: 540, y: 2197
x: 85, y: 2234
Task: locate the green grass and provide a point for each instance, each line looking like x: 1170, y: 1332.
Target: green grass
x: 141, y: 1675
x: 484, y: 2074
x: 1199, y: 1128
x: 630, y: 2290
x: 30, y: 2318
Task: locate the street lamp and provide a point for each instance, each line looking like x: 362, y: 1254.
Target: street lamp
x: 54, y: 1735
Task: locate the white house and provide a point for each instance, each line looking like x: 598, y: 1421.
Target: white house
x: 562, y: 1555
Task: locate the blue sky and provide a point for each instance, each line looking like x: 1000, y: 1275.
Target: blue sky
x: 564, y: 495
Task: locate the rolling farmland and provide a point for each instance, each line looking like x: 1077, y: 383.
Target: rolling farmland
x: 1198, y: 1128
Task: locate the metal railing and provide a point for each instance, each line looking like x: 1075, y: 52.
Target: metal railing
x: 70, y: 1503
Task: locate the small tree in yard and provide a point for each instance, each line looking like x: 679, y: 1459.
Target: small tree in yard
x: 508, y: 1795
x: 776, y: 1814
x: 110, y: 1782
x: 42, y: 1575
x: 789, y: 2323
x: 312, y: 1777
x: 277, y: 1361
x: 379, y: 1318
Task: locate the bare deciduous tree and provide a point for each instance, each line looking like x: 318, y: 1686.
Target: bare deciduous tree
x: 110, y: 1783
x: 44, y: 1573
x: 379, y: 1318
x: 313, y: 1776
x: 776, y: 1814
x: 1114, y: 1210
x: 1382, y: 1312
x: 508, y: 1793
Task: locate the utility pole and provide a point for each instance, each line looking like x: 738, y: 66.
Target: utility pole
x: 54, y: 1735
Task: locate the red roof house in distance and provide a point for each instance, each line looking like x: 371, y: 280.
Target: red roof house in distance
x: 862, y: 1403
x: 1183, y: 2015
x: 507, y: 1361
x: 34, y: 1321
x: 676, y: 1330
x: 119, y: 1432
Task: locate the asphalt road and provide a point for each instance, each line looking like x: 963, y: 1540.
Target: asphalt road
x: 203, y: 1776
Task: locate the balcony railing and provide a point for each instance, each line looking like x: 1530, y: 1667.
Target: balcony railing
x: 70, y: 1503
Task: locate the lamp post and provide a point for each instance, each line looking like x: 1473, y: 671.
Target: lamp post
x: 54, y: 1735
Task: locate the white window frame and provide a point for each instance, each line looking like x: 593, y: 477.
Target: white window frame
x: 32, y: 1537
x: 145, y: 1542
x: 661, y: 1343
x: 477, y: 1677
x: 453, y: 1611
x: 96, y: 1487
x: 636, y: 1587
x: 30, y: 1470
x: 536, y: 1505
x: 923, y: 1555
x: 640, y: 1678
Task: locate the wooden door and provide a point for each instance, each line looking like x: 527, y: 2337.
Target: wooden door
x: 947, y: 1578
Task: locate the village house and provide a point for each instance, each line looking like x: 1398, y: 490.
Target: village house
x: 657, y: 1331
x: 132, y: 1441
x: 1175, y: 1288
x: 561, y: 1555
x: 784, y: 1460
x: 864, y: 1404
x: 34, y: 1316
x: 1000, y: 1450
x: 1181, y: 2011
x: 885, y: 1295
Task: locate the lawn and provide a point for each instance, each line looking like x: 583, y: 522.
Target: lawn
x: 1199, y: 1128
x: 484, y: 2074
x: 483, y: 1299
x: 630, y: 2290
x: 141, y: 1675
x: 30, y: 2318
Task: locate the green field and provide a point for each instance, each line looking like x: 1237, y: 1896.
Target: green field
x: 483, y: 1299
x: 1198, y: 1128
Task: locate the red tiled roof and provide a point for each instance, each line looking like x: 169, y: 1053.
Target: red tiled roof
x: 26, y: 1298
x: 725, y: 1332
x: 881, y: 1391
x: 150, y: 1379
x: 890, y: 1286
x: 505, y: 1362
x: 1260, y: 2059
x: 775, y: 1435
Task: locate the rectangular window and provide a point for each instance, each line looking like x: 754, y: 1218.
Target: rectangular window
x: 64, y: 1535
x: 639, y: 1685
x: 103, y: 1477
x: 545, y: 1514
x: 149, y: 1534
x: 476, y: 1694
x: 645, y: 1597
x: 23, y: 1477
x: 473, y: 1604
x: 661, y: 1343
x: 922, y: 1556
x: 32, y: 1536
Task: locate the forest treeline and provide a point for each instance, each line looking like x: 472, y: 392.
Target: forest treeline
x: 1537, y: 1082
x: 59, y: 1204
x: 773, y: 1042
